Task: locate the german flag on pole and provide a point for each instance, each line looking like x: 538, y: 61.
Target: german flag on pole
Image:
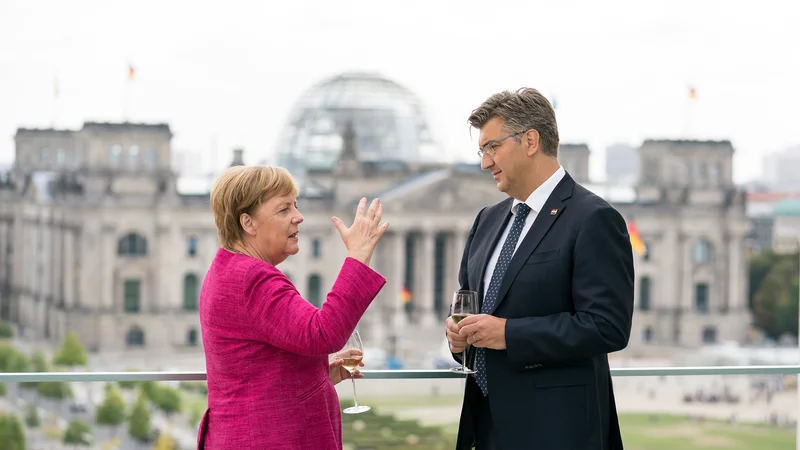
x: 636, y: 239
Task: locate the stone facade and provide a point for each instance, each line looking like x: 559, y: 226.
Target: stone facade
x: 95, y: 238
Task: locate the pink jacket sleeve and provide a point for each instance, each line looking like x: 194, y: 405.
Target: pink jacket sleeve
x: 282, y: 318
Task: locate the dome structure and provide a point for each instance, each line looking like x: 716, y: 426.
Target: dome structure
x: 388, y: 119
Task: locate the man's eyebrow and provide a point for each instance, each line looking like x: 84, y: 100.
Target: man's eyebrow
x: 488, y: 141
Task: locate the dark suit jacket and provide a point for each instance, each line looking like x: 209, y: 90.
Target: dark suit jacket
x: 568, y: 298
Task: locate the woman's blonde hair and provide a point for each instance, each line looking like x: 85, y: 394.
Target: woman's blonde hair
x: 242, y: 189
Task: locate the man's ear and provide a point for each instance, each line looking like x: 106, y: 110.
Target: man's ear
x: 247, y: 224
x: 531, y: 142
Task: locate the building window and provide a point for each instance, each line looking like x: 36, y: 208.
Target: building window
x: 190, y: 292
x: 132, y: 244
x: 709, y: 335
x: 315, y: 290
x: 152, y: 157
x: 60, y: 157
x: 134, y: 337
x: 701, y: 297
x: 191, y: 337
x: 133, y: 155
x: 131, y: 292
x: 316, y: 250
x: 648, y: 334
x: 114, y: 154
x: 713, y: 174
x: 644, y: 294
x: 191, y: 245
x: 702, y: 251
x: 648, y: 251
x: 75, y: 157
x: 701, y: 171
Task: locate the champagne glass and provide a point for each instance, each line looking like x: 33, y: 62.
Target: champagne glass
x: 352, y: 354
x: 465, y: 303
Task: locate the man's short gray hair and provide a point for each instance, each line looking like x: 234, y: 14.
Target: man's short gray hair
x: 521, y: 111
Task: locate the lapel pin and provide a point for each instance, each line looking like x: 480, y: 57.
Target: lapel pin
x: 553, y: 212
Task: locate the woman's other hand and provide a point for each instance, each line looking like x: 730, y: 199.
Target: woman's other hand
x: 338, y: 372
x: 363, y: 235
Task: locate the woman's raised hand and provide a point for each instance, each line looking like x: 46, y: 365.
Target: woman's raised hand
x: 363, y: 235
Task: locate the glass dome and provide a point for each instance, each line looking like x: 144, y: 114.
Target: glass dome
x: 388, y: 120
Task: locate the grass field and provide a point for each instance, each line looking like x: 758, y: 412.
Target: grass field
x: 639, y: 431
x: 662, y: 432
x: 648, y: 431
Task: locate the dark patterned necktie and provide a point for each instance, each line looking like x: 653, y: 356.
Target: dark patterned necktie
x: 494, y: 286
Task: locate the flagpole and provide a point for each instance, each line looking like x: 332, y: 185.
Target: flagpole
x: 56, y: 93
x: 127, y: 95
x: 688, y: 114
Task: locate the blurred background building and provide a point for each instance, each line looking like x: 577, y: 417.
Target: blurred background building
x: 99, y: 237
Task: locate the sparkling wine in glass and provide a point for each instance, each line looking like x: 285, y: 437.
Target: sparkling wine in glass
x: 352, y: 354
x: 465, y: 303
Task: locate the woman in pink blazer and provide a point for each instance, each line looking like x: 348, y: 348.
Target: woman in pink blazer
x: 270, y: 384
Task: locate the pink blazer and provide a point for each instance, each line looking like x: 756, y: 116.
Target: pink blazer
x: 267, y: 350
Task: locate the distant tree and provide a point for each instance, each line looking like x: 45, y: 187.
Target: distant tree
x: 112, y: 411
x: 758, y: 267
x: 139, y: 421
x: 32, y: 417
x: 78, y: 433
x: 12, y: 434
x: 11, y: 360
x: 166, y: 399
x: 54, y: 389
x: 195, y: 415
x: 129, y: 384
x: 775, y: 302
x: 72, y: 352
x: 6, y: 330
x: 3, y: 390
x: 38, y: 363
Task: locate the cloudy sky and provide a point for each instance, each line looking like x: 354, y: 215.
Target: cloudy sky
x: 225, y: 74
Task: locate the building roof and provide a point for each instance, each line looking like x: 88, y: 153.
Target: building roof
x: 771, y: 197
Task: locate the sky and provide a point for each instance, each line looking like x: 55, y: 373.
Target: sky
x: 225, y: 74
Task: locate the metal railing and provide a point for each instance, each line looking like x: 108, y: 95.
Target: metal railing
x: 28, y: 377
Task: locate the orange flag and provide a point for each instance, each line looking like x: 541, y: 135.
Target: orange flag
x: 131, y: 72
x: 636, y: 240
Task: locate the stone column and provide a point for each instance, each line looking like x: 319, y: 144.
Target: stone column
x: 374, y: 317
x: 425, y: 281
x: 456, y: 241
x: 395, y: 279
x: 108, y: 250
x: 737, y: 277
x: 68, y: 268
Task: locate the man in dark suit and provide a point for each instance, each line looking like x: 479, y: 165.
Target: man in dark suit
x: 553, y: 268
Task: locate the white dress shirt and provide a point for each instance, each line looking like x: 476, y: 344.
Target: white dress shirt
x: 536, y: 202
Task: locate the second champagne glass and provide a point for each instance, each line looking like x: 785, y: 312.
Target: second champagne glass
x: 352, y: 354
x: 465, y: 303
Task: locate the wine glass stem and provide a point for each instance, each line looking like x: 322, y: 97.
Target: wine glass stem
x: 464, y: 360
x: 355, y: 400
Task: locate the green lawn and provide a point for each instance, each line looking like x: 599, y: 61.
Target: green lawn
x: 663, y: 432
x: 639, y: 431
